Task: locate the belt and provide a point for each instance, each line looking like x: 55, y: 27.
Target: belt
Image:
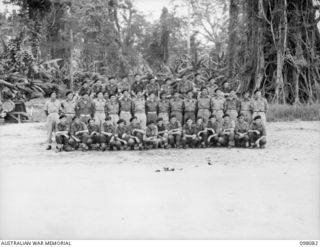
x: 203, y: 109
x: 69, y: 113
x: 259, y: 111
x: 113, y: 114
x: 85, y: 115
x: 245, y: 110
x: 152, y: 112
x: 125, y: 111
x: 189, y: 111
x: 99, y: 110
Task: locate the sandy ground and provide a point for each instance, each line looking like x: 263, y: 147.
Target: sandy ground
x: 246, y: 194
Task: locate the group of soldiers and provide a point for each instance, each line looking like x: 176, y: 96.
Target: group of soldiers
x: 144, y: 114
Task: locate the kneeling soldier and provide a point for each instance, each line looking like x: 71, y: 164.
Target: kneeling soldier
x: 94, y: 135
x: 79, y: 134
x: 162, y: 132
x: 189, y: 138
x: 226, y: 136
x: 213, y: 130
x: 174, y: 132
x: 107, y: 134
x: 135, y: 133
x: 151, y: 136
x: 257, y: 133
x: 241, y: 135
x: 62, y: 134
x: 201, y: 132
x: 121, y: 136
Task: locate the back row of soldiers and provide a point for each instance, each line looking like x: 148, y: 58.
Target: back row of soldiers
x: 148, y: 102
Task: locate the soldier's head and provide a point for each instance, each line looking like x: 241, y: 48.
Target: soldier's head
x: 125, y: 79
x: 150, y: 123
x: 246, y: 95
x: 125, y: 93
x: 53, y: 95
x: 69, y: 95
x: 152, y: 95
x: 212, y: 80
x: 85, y: 95
x: 213, y: 118
x: 76, y: 119
x: 168, y: 81
x: 176, y: 94
x: 139, y: 93
x: 134, y: 120
x: 241, y: 118
x: 112, y: 79
x: 121, y: 122
x: 189, y: 121
x: 226, y: 117
x: 100, y: 95
x: 173, y: 119
x: 91, y: 122
x: 190, y: 94
x: 204, y: 91
x: 257, y: 93
x: 108, y: 120
x: 257, y: 120
x: 199, y: 120
x: 218, y: 92
x: 63, y: 118
x: 113, y: 97
x: 137, y: 77
x: 226, y: 85
x: 92, y: 95
x: 152, y: 80
x: 197, y: 76
x: 99, y: 82
x: 160, y: 121
x: 106, y: 95
x: 163, y: 95
x: 233, y: 94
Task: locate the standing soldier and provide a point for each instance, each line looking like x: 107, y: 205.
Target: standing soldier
x: 107, y: 134
x: 241, y: 132
x: 257, y: 133
x: 62, y: 134
x: 189, y: 138
x: 246, y: 107
x: 190, y: 107
x: 52, y: 109
x: 112, y: 108
x: 231, y: 106
x: 97, y: 87
x: 151, y: 108
x: 217, y: 104
x: 185, y: 85
x: 139, y: 109
x: 260, y: 107
x: 213, y: 129
x: 99, y: 105
x: 153, y: 87
x: 204, y: 103
x: 174, y: 132
x: 176, y: 106
x: 201, y: 132
x: 85, y: 108
x: 79, y: 134
x: 124, y: 85
x: 212, y: 86
x: 163, y: 108
x: 125, y: 104
x: 167, y: 87
x: 135, y: 133
x: 85, y: 88
x: 68, y: 106
x: 137, y: 85
x: 112, y: 87
x: 226, y: 136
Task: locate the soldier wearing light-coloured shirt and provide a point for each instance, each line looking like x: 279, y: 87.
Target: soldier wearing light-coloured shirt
x: 260, y: 107
x: 163, y: 108
x: 112, y: 109
x: 69, y: 106
x: 217, y: 104
x: 231, y: 105
x: 246, y: 107
x: 100, y: 105
x: 125, y: 106
x: 139, y: 109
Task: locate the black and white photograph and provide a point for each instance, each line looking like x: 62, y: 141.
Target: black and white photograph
x: 159, y: 120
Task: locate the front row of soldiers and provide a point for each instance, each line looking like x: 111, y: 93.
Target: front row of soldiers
x: 89, y: 136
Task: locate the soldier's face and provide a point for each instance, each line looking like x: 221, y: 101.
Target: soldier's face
x: 70, y: 96
x: 199, y: 121
x: 233, y: 94
x: 53, y: 96
x: 160, y: 123
x: 113, y: 98
x: 241, y: 119
x: 176, y: 95
x: 226, y: 119
x: 137, y: 78
x: 204, y: 91
x: 168, y: 82
x: 163, y: 96
x: 219, y: 92
x: 246, y: 95
x: 121, y: 124
x: 190, y: 94
x: 189, y: 122
x: 258, y: 94
x: 91, y: 122
x: 151, y: 96
x: 173, y: 120
x: 258, y: 121
x: 85, y: 97
x: 77, y: 120
x: 100, y: 95
x: 63, y: 120
x: 212, y: 120
x: 134, y: 121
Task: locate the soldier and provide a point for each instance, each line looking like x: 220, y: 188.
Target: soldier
x: 84, y: 88
x: 217, y: 104
x: 176, y: 106
x: 153, y: 87
x: 68, y: 106
x: 226, y: 88
x: 112, y: 87
x: 125, y: 104
x: 121, y: 136
x: 204, y: 105
x: 162, y: 132
x: 62, y: 134
x: 97, y: 87
x: 246, y: 107
x: 137, y: 85
x: 139, y: 109
x: 112, y: 109
x: 260, y: 107
x: 257, y: 133
x: 184, y: 85
x: 231, y: 105
x: 174, y: 132
x: 151, y: 136
x: 167, y: 87
x: 226, y: 136
x: 163, y: 108
x: 241, y: 132
x: 79, y: 134
x: 190, y: 107
x: 213, y: 130
x: 124, y: 85
x: 107, y: 134
x: 85, y: 108
x: 212, y: 86
x: 151, y: 108
x: 135, y: 134
x: 189, y: 138
x: 99, y: 105
x: 201, y: 132
x: 52, y: 108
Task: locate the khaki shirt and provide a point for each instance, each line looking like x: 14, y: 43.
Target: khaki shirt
x: 176, y: 104
x: 75, y: 127
x: 99, y: 104
x: 152, y: 106
x: 85, y: 107
x: 112, y: 107
x: 152, y: 131
x: 231, y: 104
x: 241, y: 127
x: 176, y: 125
x: 190, y: 105
x: 108, y: 128
x: 139, y: 105
x: 189, y: 130
x: 246, y: 105
x: 92, y: 128
x: 227, y: 125
x: 52, y: 106
x: 216, y: 126
x: 164, y: 106
x: 125, y: 104
x: 204, y: 102
x: 167, y: 89
x: 217, y: 103
x: 261, y: 128
x: 260, y: 105
x: 63, y: 127
x: 69, y: 106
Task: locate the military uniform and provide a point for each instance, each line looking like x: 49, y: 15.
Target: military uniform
x: 151, y: 137
x: 152, y: 107
x: 137, y: 86
x: 201, y: 137
x: 153, y: 88
x: 217, y: 106
x: 62, y: 139
x: 100, y: 114
x: 241, y: 128
x: 184, y: 87
x: 246, y: 109
x: 52, y: 108
x: 260, y: 107
x: 163, y: 134
x: 189, y: 130
x: 85, y: 110
x: 163, y: 110
x: 112, y: 88
x: 204, y: 103
x: 190, y: 108
x: 139, y: 110
x: 176, y: 107
x: 125, y: 109
x: 231, y: 107
x: 112, y: 108
x: 124, y: 85
x: 253, y: 136
x: 122, y: 133
x: 69, y: 109
x: 174, y: 139
x: 83, y: 137
x: 216, y: 127
x: 165, y: 88
x: 131, y: 131
x: 227, y: 139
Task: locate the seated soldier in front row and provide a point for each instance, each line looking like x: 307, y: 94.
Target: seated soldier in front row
x: 162, y: 133
x: 121, y: 136
x: 189, y: 138
x: 62, y: 135
x: 226, y: 136
x: 201, y: 132
x: 107, y: 134
x: 95, y: 137
x: 151, y: 136
x: 213, y: 131
x: 257, y: 133
x: 135, y: 133
x: 241, y: 132
x: 79, y: 134
x: 174, y: 132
